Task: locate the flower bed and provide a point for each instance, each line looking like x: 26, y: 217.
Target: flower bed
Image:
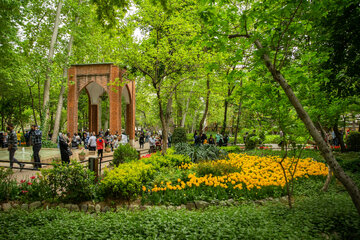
x: 240, y: 176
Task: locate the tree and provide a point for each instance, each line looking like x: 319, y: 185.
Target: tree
x: 277, y: 31
x: 166, y: 56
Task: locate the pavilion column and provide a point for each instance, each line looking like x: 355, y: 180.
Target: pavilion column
x: 115, y: 100
x: 72, y: 102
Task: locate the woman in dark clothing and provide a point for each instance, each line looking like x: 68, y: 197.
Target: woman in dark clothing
x: 64, y: 149
x: 142, y: 140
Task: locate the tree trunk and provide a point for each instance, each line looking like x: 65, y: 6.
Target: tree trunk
x: 32, y: 102
x: 62, y: 90
x: 186, y: 108
x: 238, y: 122
x: 326, y: 152
x: 327, y: 181
x: 206, y: 106
x: 46, y: 98
x: 225, y: 117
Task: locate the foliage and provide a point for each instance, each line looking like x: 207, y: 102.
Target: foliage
x: 125, y: 180
x: 252, y: 140
x: 179, y: 136
x: 124, y: 153
x: 232, y: 149
x: 8, y: 186
x: 327, y: 215
x: 198, y: 153
x: 272, y: 139
x: 69, y: 183
x: 168, y: 160
x: 353, y: 141
x: 349, y: 161
x: 48, y: 144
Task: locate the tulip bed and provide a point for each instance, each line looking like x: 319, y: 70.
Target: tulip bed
x: 241, y: 176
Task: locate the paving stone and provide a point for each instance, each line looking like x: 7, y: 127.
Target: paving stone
x: 68, y: 206
x: 97, y: 208
x: 190, y: 206
x: 75, y: 208
x: 201, y: 204
x: 84, y: 207
x: 15, y: 206
x: 25, y: 206
x: 34, y: 205
x: 6, y: 207
x: 106, y: 209
x: 91, y: 208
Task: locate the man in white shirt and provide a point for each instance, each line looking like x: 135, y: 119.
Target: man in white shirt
x: 124, y: 139
x: 92, y: 142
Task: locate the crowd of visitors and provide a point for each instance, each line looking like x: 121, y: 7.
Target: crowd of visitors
x: 219, y: 140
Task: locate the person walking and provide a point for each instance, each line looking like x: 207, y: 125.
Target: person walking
x: 92, y: 142
x: 100, y: 146
x: 35, y: 139
x: 12, y: 146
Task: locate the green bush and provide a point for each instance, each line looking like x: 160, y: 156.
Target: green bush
x: 349, y: 161
x: 70, y: 183
x: 202, y: 152
x: 124, y: 153
x: 251, y: 141
x: 179, y: 136
x: 48, y: 144
x: 126, y: 180
x: 168, y: 160
x: 8, y: 186
x: 353, y: 141
x: 232, y: 149
x: 276, y: 139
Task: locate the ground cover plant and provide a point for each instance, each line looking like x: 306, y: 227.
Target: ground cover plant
x: 325, y: 216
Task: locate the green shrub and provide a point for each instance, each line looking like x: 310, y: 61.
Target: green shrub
x: 179, y: 136
x: 202, y: 152
x: 124, y: 153
x: 353, y: 141
x: 48, y: 144
x: 70, y: 183
x: 126, y: 180
x: 272, y: 139
x: 251, y: 141
x: 232, y: 149
x: 168, y: 160
x: 8, y: 186
x: 349, y: 161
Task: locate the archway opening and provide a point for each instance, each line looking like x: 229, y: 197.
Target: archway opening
x: 93, y: 109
